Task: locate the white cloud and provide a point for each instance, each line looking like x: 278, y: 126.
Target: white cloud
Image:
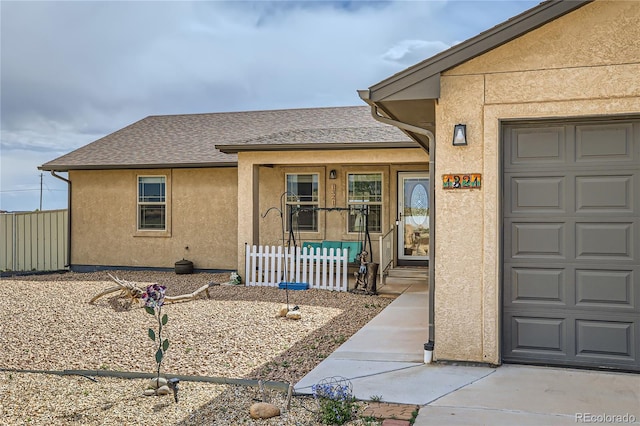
x: 20, y: 182
x: 72, y: 72
x: 409, y: 52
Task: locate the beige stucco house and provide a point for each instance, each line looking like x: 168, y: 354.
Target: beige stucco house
x: 201, y: 186
x: 541, y: 263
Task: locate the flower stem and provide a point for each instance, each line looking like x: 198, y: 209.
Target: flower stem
x: 159, y: 316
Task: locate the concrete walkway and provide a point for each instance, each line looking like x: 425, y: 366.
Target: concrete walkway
x: 385, y: 359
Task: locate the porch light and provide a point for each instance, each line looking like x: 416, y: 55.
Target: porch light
x: 333, y: 174
x: 460, y: 135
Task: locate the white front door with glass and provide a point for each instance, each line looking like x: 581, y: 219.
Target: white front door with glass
x: 413, y: 216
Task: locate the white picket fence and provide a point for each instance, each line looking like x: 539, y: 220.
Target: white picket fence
x: 319, y: 268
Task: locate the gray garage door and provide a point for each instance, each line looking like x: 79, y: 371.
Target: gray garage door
x: 571, y: 283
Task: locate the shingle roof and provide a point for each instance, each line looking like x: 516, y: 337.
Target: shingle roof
x: 191, y: 140
x: 332, y: 138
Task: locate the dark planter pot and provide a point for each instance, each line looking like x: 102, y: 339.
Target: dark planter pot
x: 184, y: 267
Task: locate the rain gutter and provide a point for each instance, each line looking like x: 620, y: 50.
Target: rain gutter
x: 67, y: 167
x: 53, y: 173
x: 365, y: 95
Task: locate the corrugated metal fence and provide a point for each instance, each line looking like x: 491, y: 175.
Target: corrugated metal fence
x: 34, y: 241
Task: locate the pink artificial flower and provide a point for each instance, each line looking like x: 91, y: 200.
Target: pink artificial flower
x: 154, y: 296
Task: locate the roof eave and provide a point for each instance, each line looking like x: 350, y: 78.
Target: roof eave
x: 66, y: 168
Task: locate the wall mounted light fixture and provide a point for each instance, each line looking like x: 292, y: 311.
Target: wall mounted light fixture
x: 460, y: 135
x: 333, y: 174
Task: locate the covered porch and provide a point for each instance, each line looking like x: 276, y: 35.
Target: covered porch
x: 328, y: 187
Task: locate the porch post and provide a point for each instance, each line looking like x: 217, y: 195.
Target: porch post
x: 248, y: 208
x: 255, y: 202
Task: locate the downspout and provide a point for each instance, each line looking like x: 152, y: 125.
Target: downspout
x: 365, y: 96
x: 53, y: 173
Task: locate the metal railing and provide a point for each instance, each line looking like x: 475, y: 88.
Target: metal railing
x: 387, y: 251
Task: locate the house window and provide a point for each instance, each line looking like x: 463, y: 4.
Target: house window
x: 364, y: 190
x: 152, y: 204
x: 302, y: 197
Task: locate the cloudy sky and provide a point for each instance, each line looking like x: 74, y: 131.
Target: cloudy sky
x: 74, y: 71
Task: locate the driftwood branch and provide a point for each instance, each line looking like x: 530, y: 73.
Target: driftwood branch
x: 131, y: 291
x: 104, y: 293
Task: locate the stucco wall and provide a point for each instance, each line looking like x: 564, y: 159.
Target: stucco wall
x: 269, y: 169
x: 586, y: 63
x: 201, y: 215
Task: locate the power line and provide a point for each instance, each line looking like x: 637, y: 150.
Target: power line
x: 26, y: 190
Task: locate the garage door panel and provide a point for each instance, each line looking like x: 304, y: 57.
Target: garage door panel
x: 605, y: 289
x: 539, y: 335
x: 532, y: 286
x: 538, y: 194
x: 538, y: 145
x: 599, y: 239
x: 606, y: 142
x: 606, y: 339
x: 604, y: 194
x: 536, y: 240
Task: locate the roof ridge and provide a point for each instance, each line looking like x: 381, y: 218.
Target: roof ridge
x: 373, y: 125
x: 255, y: 111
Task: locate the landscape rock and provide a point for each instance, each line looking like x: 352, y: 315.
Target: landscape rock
x: 157, y: 382
x: 296, y: 315
x: 163, y: 390
x: 283, y: 311
x: 263, y: 410
x: 149, y: 392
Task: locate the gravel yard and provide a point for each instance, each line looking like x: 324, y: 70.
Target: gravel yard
x: 46, y: 323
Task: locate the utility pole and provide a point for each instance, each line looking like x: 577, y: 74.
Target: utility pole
x: 41, y: 174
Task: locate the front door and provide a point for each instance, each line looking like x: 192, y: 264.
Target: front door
x: 413, y: 216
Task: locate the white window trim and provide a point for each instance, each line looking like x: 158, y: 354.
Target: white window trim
x: 290, y: 203
x: 138, y: 204
x: 380, y: 203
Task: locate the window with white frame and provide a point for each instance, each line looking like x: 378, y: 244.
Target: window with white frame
x: 364, y: 192
x: 302, y: 197
x: 152, y: 204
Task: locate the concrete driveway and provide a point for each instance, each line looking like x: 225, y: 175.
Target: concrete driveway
x: 385, y: 358
x: 526, y: 395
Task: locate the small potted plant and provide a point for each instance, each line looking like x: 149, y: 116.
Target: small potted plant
x: 235, y: 279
